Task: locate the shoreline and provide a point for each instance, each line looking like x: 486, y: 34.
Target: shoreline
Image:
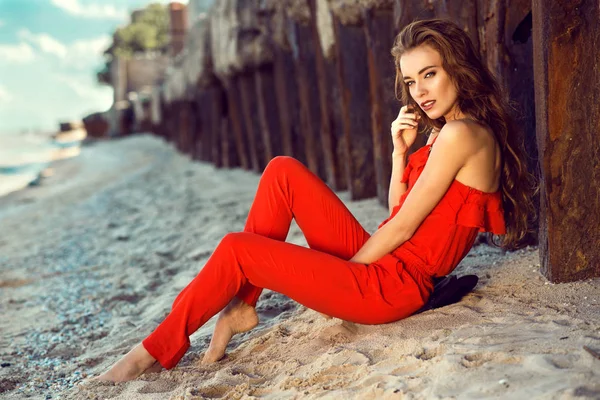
x: 31, y: 159
x: 95, y: 258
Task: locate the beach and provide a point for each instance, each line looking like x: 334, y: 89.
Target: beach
x: 92, y: 258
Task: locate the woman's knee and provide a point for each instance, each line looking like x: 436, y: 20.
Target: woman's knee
x: 230, y: 240
x: 279, y: 164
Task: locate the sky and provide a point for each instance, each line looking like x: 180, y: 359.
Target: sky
x: 50, y: 51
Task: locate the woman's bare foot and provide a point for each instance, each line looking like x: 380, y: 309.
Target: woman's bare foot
x: 237, y: 317
x: 156, y: 367
x: 132, y: 365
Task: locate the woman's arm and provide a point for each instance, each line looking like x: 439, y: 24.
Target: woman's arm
x: 455, y: 144
x: 397, y: 188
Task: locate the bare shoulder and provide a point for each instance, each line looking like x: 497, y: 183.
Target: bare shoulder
x: 467, y: 136
x: 459, y: 135
x: 475, y: 145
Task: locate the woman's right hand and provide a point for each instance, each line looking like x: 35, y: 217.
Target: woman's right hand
x: 404, y: 130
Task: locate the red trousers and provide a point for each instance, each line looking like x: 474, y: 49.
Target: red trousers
x: 319, y: 277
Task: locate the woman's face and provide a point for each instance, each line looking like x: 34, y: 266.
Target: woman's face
x: 427, y: 81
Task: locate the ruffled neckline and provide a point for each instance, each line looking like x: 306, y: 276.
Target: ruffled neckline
x: 462, y: 204
x: 424, y: 155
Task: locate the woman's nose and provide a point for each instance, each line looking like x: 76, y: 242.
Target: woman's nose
x: 420, y: 89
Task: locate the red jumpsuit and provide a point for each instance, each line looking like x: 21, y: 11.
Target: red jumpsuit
x: 321, y: 277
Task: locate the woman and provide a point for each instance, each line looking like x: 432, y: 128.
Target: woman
x: 470, y: 177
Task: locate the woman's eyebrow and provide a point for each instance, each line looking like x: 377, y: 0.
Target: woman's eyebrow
x: 420, y: 72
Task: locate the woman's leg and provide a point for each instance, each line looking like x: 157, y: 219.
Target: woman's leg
x: 287, y: 189
x: 326, y: 283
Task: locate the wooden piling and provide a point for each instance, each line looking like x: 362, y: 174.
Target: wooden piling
x: 353, y: 74
x: 301, y: 41
x: 567, y: 93
x: 236, y: 122
x: 329, y: 94
x: 379, y: 29
x: 247, y: 91
x: 268, y: 112
x: 286, y: 90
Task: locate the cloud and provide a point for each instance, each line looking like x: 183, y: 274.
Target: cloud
x: 78, y: 86
x: 5, y: 96
x: 16, y: 53
x: 80, y: 54
x: 45, y: 42
x: 86, y: 88
x: 97, y: 11
x: 94, y: 46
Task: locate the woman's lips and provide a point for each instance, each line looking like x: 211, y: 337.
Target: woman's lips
x: 430, y: 106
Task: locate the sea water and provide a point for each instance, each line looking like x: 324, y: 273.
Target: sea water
x: 23, y: 157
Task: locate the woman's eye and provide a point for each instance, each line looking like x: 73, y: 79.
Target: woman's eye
x: 432, y: 73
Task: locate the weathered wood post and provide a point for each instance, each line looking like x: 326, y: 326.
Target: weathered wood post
x: 407, y: 11
x: 156, y: 116
x: 207, y: 92
x: 181, y: 110
x: 169, y: 115
x: 247, y: 92
x: 191, y: 71
x: 230, y: 154
x: 304, y: 48
x: 331, y: 132
x: 268, y: 111
x: 353, y: 74
x: 566, y: 38
x: 236, y: 120
x: 224, y: 49
x: 240, y: 48
x: 379, y: 29
x: 285, y: 85
x: 194, y: 118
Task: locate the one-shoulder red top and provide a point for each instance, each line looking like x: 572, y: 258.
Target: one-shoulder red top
x: 447, y: 234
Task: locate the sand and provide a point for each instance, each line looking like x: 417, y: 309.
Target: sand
x: 92, y: 258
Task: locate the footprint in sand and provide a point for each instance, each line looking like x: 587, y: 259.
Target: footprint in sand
x: 475, y: 360
x: 426, y: 354
x: 562, y: 361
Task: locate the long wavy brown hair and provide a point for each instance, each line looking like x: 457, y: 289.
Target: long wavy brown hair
x: 481, y: 97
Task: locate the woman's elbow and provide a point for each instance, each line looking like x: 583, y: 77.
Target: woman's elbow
x: 401, y: 234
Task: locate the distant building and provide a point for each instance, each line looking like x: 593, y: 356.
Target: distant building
x: 178, y: 22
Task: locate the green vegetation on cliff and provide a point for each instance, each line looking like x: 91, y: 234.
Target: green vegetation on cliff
x: 147, y: 31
